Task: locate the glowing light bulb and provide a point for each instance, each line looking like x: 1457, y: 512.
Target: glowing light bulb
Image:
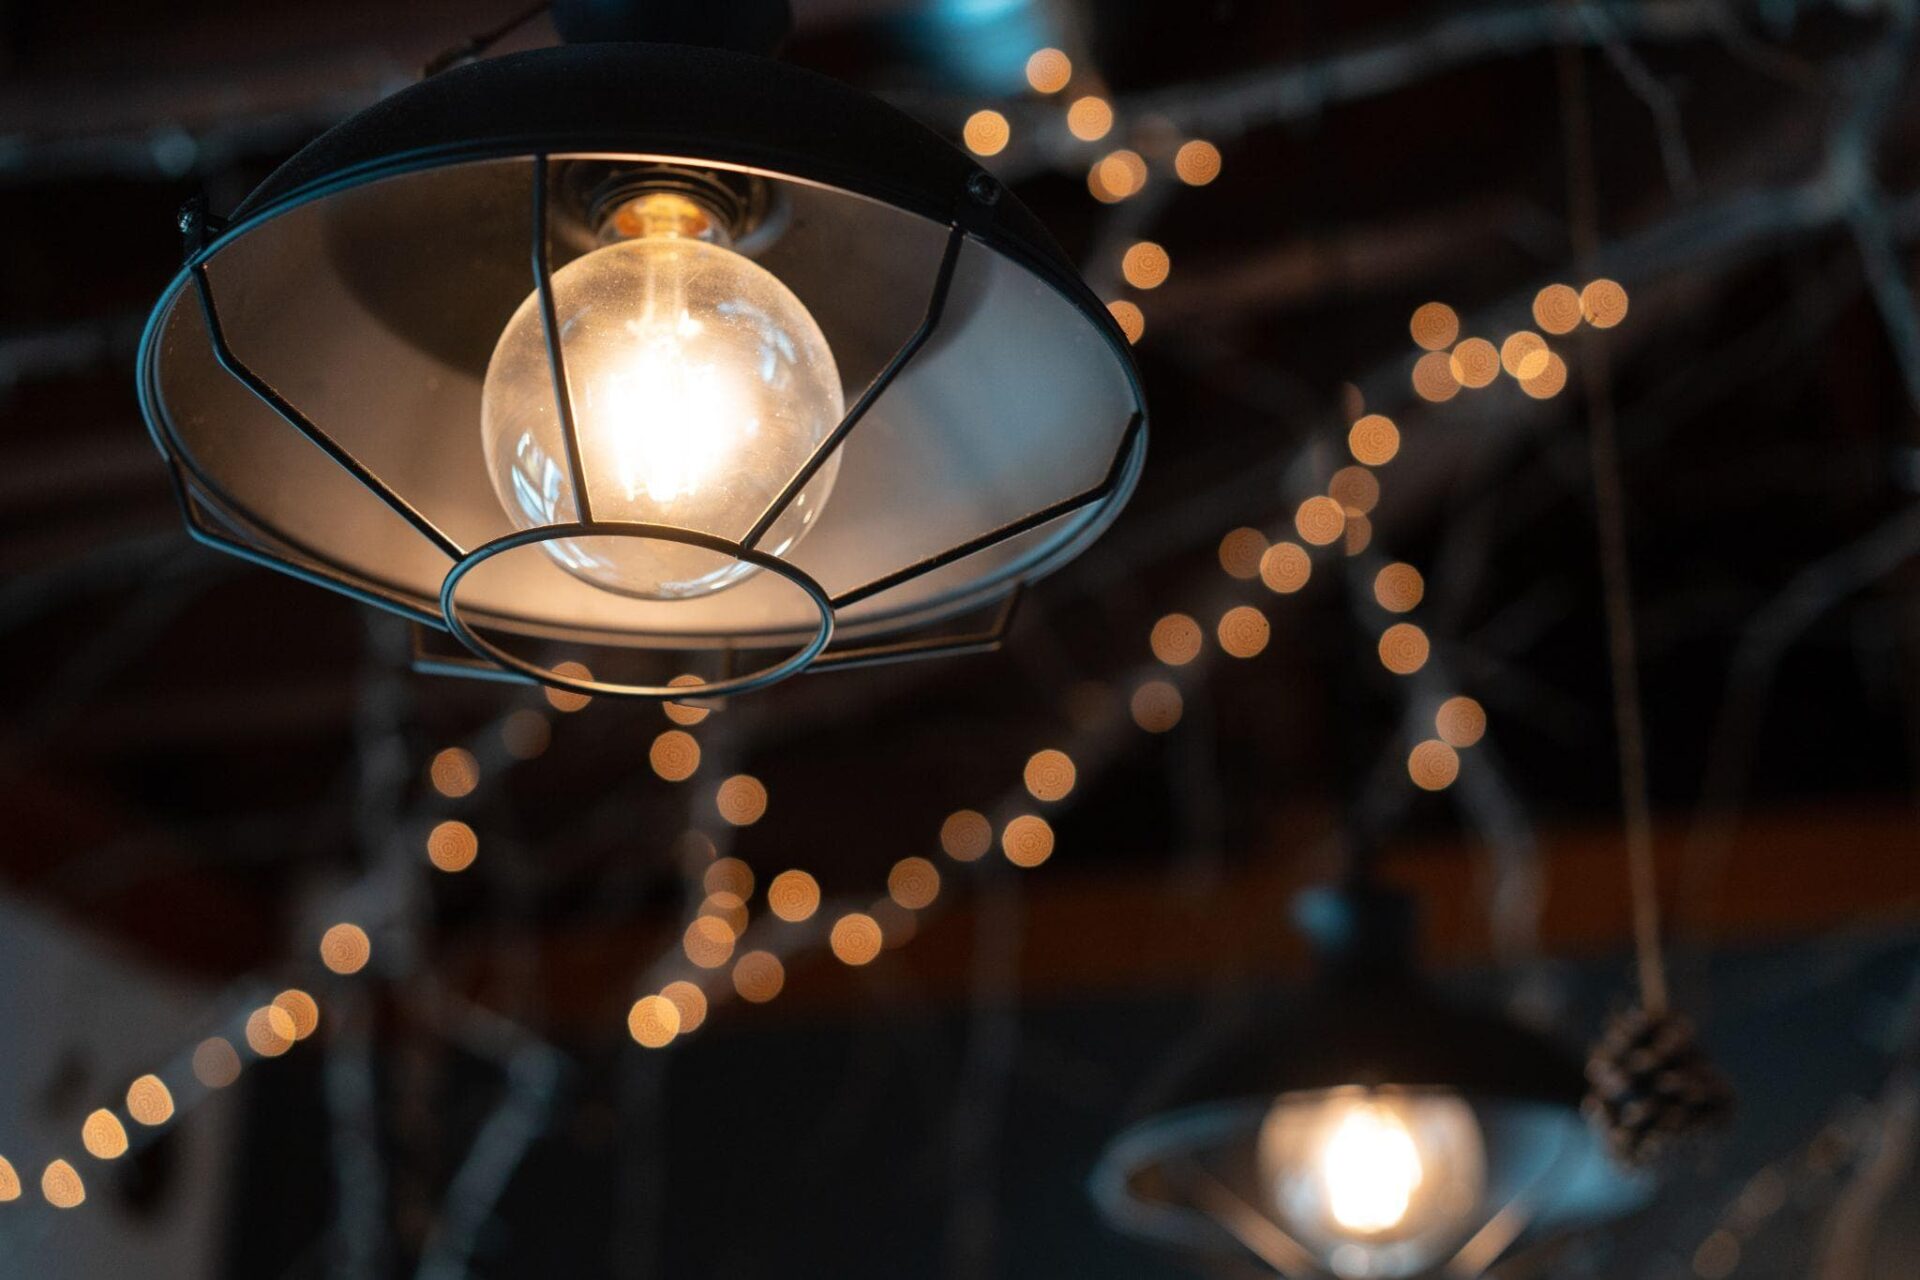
x: 699, y: 384
x: 1380, y: 1183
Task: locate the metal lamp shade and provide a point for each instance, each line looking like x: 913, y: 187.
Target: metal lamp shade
x: 1186, y: 1174
x: 314, y: 372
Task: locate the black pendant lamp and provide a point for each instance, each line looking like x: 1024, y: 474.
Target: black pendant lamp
x: 631, y: 360
x: 1376, y: 1132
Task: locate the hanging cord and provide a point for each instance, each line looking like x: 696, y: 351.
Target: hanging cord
x: 1610, y: 518
x: 473, y: 46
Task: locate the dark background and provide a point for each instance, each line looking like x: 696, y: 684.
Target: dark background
x: 202, y: 764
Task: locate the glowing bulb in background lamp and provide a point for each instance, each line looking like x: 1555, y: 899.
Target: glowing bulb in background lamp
x: 1380, y: 1183
x: 700, y: 385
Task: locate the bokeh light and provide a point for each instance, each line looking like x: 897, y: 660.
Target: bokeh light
x: 689, y: 1001
x: 986, y: 133
x: 758, y: 976
x: 855, y: 938
x: 729, y: 875
x: 1460, y: 721
x: 345, y: 948
x: 454, y: 772
x: 913, y: 883
x: 302, y: 1009
x: 653, y: 1022
x: 966, y: 835
x: 215, y: 1062
x: 728, y: 908
x: 1240, y: 552
x: 1556, y: 309
x: 1132, y: 320
x: 1243, y: 632
x: 1117, y: 175
x: 1049, y: 774
x: 1524, y: 355
x: 742, y: 800
x: 1603, y: 303
x: 1433, y: 765
x: 1048, y: 70
x: 526, y: 734
x: 1398, y: 587
x: 1356, y: 489
x: 1027, y: 840
x: 1175, y: 639
x: 1156, y: 706
x: 566, y: 700
x: 1403, y: 648
x: 1145, y: 265
x: 1197, y: 162
x: 61, y: 1185
x: 1433, y: 378
x: 1358, y: 535
x: 1285, y: 568
x: 1434, y: 326
x: 1090, y: 118
x: 452, y: 846
x: 683, y: 713
x: 149, y: 1101
x: 1373, y: 439
x: 104, y: 1137
x: 708, y: 942
x: 9, y: 1181
x: 269, y: 1031
x: 1474, y: 363
x: 1320, y: 521
x: 1550, y: 381
x: 674, y: 755
x: 793, y: 896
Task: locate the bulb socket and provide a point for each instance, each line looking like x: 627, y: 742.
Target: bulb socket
x: 628, y: 202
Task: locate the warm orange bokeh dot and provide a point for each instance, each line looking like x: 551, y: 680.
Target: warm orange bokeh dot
x: 149, y: 1101
x: 1240, y: 552
x: 1048, y: 70
x: 1145, y: 265
x: 1474, y: 363
x: 302, y: 1008
x: 689, y: 1001
x: 1403, y: 648
x: 986, y: 133
x: 104, y: 1137
x: 1132, y: 320
x: 1027, y: 841
x: 1603, y: 303
x: 675, y: 755
x: 345, y: 948
x: 913, y: 883
x: 1460, y: 721
x: 728, y: 908
x: 708, y: 942
x: 682, y: 713
x: 1550, y: 381
x: 1359, y: 534
x: 1398, y: 587
x: 1197, y: 162
x: 454, y: 772
x: 526, y: 734
x: 1433, y: 765
x: 1175, y: 640
x: 758, y: 976
x: 966, y: 835
x: 452, y: 846
x: 61, y: 1185
x: 729, y: 875
x: 9, y: 1181
x: 567, y: 699
x: 1285, y: 568
x: 1049, y: 774
x: 1433, y: 377
x: 855, y: 938
x: 793, y: 896
x: 742, y: 800
x: 1243, y: 632
x: 1117, y: 175
x: 269, y: 1031
x: 1356, y: 489
x: 1556, y: 309
x: 653, y: 1022
x: 1090, y: 118
x: 1320, y: 520
x: 1524, y: 355
x: 1434, y: 326
x: 1373, y: 439
x: 1156, y: 706
x: 215, y: 1064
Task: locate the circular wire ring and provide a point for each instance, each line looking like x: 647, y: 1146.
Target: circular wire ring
x: 487, y: 650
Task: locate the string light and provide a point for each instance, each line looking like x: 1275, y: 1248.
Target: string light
x: 61, y: 1185
x: 1550, y: 381
x: 966, y: 835
x: 1460, y: 721
x: 1403, y: 648
x: 1175, y: 639
x: 1285, y: 568
x: 1049, y: 775
x: 9, y: 1181
x: 758, y: 976
x: 1398, y: 587
x: 1603, y: 303
x: 215, y: 1064
x: 1356, y: 489
x: 674, y: 755
x: 567, y: 701
x: 1475, y: 363
x: 793, y: 896
x: 1524, y: 355
x: 454, y: 772
x: 681, y: 713
x: 1117, y: 175
x: 1433, y: 378
x: 986, y: 133
x: 1156, y: 706
x: 913, y: 883
x: 1196, y: 163
x: 742, y: 800
x: 1049, y: 70
x: 689, y: 1001
x: 1556, y: 309
x: 149, y: 1101
x: 1240, y: 552
x: 1145, y: 265
x: 708, y: 942
x: 1434, y: 326
x: 1027, y: 840
x: 269, y: 1031
x: 1373, y: 439
x: 653, y: 1022
x: 301, y: 1008
x: 345, y: 948
x: 1090, y: 118
x: 855, y: 939
x: 1433, y: 765
x: 452, y: 846
x: 1132, y: 320
x: 1243, y: 632
x: 104, y: 1137
x: 1320, y: 521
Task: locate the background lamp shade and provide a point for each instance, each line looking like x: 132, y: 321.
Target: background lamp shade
x: 315, y: 374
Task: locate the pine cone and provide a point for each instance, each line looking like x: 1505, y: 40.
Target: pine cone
x: 1649, y: 1085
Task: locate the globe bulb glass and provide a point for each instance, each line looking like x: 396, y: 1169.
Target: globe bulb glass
x: 700, y: 385
x: 1378, y: 1182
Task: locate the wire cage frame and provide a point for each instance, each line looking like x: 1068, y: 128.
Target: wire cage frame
x: 217, y: 517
